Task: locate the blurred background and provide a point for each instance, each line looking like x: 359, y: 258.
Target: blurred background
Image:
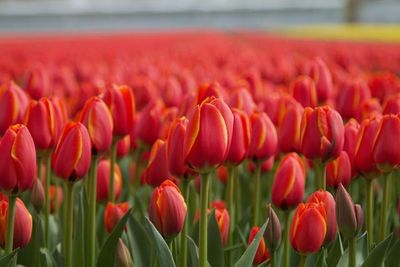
x: 121, y: 15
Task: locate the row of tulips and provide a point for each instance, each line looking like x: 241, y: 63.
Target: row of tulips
x: 173, y: 159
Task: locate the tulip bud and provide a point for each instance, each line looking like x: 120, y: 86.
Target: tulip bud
x: 349, y: 217
x: 328, y: 202
x: 209, y: 134
x: 369, y: 108
x: 175, y: 147
x: 360, y: 217
x: 386, y: 155
x: 308, y: 228
x: 338, y: 171
x: 351, y: 129
x: 122, y: 255
x: 22, y: 223
x: 304, y: 91
x: 383, y: 84
x: 113, y: 213
x: 289, y: 182
x: 123, y: 146
x: 240, y: 137
x: 72, y: 156
x: 264, y: 139
x: 103, y: 180
x: 208, y: 90
x: 262, y: 253
x: 97, y: 118
x: 13, y: 103
x: 18, y: 159
x: 149, y: 123
x: 37, y: 81
x: 37, y: 196
x: 322, y: 133
x: 157, y: 170
x: 121, y: 102
x: 350, y: 98
x: 241, y: 99
x: 322, y: 77
x: 60, y: 116
x: 222, y: 217
x: 56, y: 196
x: 222, y: 174
x: 167, y: 209
x: 289, y: 129
x: 273, y: 231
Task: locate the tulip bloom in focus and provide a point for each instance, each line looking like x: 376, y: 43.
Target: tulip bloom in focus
x: 113, y: 213
x: 157, y: 170
x: 262, y: 253
x: 103, y: 173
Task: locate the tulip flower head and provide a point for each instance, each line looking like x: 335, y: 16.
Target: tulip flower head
x: 240, y: 137
x: 289, y: 129
x: 113, y: 213
x: 103, y: 179
x: 338, y: 171
x: 175, y: 147
x: 56, y: 196
x: 157, y: 170
x: 322, y: 77
x: 273, y: 231
x: 304, y: 91
x: 262, y: 253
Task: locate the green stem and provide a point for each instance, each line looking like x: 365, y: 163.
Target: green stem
x: 35, y: 240
x: 302, y: 260
x: 370, y: 220
x: 323, y: 176
x: 10, y: 223
x: 183, y: 250
x: 385, y: 203
x: 39, y: 167
x: 92, y: 213
x: 69, y: 224
x: 352, y: 252
x: 113, y: 155
x: 320, y: 176
x: 231, y: 209
x: 204, y: 188
x: 286, y: 255
x: 257, y: 192
x: 47, y: 203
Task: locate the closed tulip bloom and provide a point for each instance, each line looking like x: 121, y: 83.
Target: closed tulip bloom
x: 208, y: 90
x: 175, y: 147
x: 240, y: 137
x: 18, y: 159
x: 22, y: 223
x: 386, y: 154
x: 392, y: 104
x: 37, y: 195
x: 40, y: 120
x: 97, y: 118
x: 122, y: 255
x: 308, y: 228
x: 123, y: 146
x: 121, y: 102
x: 222, y: 217
x: 242, y: 99
x: 262, y: 253
x: 56, y: 197
x: 60, y: 115
x: 322, y: 133
x: 289, y: 181
x: 322, y: 77
x: 113, y: 213
x: 351, y: 129
x: 167, y: 209
x: 37, y: 81
x: 157, y: 170
x: 273, y: 231
x: 222, y: 174
x: 72, y: 156
x: 103, y: 179
x: 149, y: 122
x: 304, y: 91
x: 289, y: 129
x: 13, y: 103
x: 209, y: 134
x: 338, y: 171
x: 350, y: 98
x: 369, y: 108
x: 328, y: 202
x: 264, y: 139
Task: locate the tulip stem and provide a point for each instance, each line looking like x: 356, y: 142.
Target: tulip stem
x: 352, y: 252
x: 320, y: 175
x: 10, y: 223
x: 272, y: 259
x: 385, y: 203
x: 257, y: 192
x: 183, y: 250
x: 286, y: 256
x: 370, y: 222
x: 92, y: 212
x: 47, y: 203
x: 113, y: 155
x: 69, y: 224
x: 204, y: 188
x: 231, y: 209
x: 302, y: 260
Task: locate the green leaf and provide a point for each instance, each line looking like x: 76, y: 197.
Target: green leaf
x: 361, y: 252
x: 46, y: 258
x: 81, y: 221
x: 215, y: 250
x: 321, y: 260
x: 335, y: 252
x: 393, y: 256
x: 107, y: 253
x: 246, y: 260
x: 6, y: 259
x: 141, y: 244
x: 164, y: 254
x: 193, y: 253
x: 377, y: 255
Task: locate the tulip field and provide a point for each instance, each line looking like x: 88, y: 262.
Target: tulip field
x: 196, y: 149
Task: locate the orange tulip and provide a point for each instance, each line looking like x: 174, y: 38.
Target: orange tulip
x: 262, y: 253
x: 103, y: 174
x: 113, y: 213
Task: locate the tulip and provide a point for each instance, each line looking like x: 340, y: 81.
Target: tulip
x: 149, y: 123
x: 122, y: 255
x: 223, y: 220
x: 172, y: 92
x: 113, y: 213
x: 351, y: 97
x: 13, y: 103
x: 175, y: 147
x: 103, y: 172
x: 262, y: 253
x: 322, y: 77
x: 241, y: 99
x: 240, y: 138
x: 338, y: 171
x: 18, y: 161
x: 369, y: 108
x: 98, y: 120
x: 222, y: 174
x: 209, y: 90
x: 383, y: 84
x: 157, y: 170
x: 37, y: 196
x: 123, y: 147
x: 22, y: 223
x: 72, y: 156
x: 308, y: 228
x: 273, y: 231
x: 289, y: 129
x: 37, y: 81
x: 351, y: 129
x: 167, y: 209
x: 56, y: 198
x: 328, y: 202
x: 60, y: 116
x: 304, y: 91
x: 289, y: 182
x: 392, y: 105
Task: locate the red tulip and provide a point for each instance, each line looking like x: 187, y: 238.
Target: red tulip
x: 18, y: 159
x: 103, y: 180
x: 322, y: 77
x: 97, y: 118
x: 383, y: 85
x: 263, y: 140
x: 369, y: 108
x: 240, y: 137
x: 113, y: 213
x: 208, y: 90
x: 60, y: 116
x: 304, y: 91
x: 72, y: 156
x: 56, y: 197
x: 351, y: 129
x: 273, y: 231
x: 37, y: 196
x: 157, y: 170
x: 222, y: 217
x: 121, y: 102
x: 262, y: 253
x: 209, y: 134
x: 22, y: 223
x: 175, y: 147
x: 167, y: 209
x: 350, y: 98
x: 13, y: 103
x: 308, y: 228
x: 149, y: 122
x: 322, y: 133
x: 37, y: 81
x: 289, y: 182
x: 242, y: 99
x: 289, y: 129
x: 328, y: 202
x: 338, y: 171
x: 123, y: 146
x: 222, y: 174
